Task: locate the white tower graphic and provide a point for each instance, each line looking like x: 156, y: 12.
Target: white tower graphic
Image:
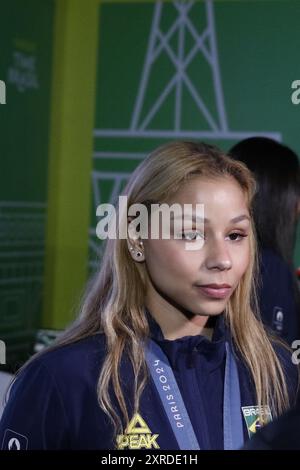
x: 205, y: 44
x: 159, y: 44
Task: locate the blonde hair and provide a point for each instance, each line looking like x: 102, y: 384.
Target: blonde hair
x: 114, y: 303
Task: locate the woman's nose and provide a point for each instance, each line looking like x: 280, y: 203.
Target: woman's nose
x: 218, y: 256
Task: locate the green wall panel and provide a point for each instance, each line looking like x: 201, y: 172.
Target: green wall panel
x: 216, y: 71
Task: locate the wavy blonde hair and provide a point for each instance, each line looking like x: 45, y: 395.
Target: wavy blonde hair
x: 115, y: 301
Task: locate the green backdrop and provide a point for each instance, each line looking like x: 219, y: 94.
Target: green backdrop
x: 25, y: 66
x: 237, y: 81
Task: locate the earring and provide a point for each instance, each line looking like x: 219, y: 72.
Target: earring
x: 136, y: 254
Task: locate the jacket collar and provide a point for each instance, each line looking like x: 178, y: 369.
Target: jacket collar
x: 213, y: 350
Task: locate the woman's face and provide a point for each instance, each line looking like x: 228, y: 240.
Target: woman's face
x: 194, y: 281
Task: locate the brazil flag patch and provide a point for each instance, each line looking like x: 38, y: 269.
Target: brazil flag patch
x: 253, y: 420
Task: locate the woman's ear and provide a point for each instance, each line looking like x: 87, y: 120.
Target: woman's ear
x: 134, y: 243
x: 136, y: 249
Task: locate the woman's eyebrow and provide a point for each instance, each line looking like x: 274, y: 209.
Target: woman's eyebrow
x: 239, y: 218
x: 235, y: 220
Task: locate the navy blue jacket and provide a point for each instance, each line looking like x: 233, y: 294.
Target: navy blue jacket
x: 281, y: 434
x: 278, y: 305
x: 53, y: 403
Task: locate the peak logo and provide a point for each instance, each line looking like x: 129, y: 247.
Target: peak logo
x: 137, y: 436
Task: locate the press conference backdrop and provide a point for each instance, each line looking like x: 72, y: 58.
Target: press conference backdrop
x: 25, y: 67
x: 217, y: 71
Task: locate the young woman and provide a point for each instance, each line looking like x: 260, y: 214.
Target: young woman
x: 276, y: 210
x: 168, y: 352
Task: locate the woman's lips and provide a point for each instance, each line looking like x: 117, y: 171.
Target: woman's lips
x: 215, y: 292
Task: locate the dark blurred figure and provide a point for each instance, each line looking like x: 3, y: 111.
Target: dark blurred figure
x: 276, y: 213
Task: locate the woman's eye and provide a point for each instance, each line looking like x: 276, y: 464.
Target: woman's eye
x: 192, y: 235
x: 237, y: 236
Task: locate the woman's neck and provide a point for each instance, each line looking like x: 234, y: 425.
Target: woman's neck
x: 174, y: 324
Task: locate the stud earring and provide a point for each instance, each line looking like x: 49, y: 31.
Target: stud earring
x: 136, y: 254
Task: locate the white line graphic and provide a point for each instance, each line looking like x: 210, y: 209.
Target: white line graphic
x: 204, y: 46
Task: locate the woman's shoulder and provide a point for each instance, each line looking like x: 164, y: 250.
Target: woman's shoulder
x: 79, y: 349
x: 50, y: 394
x: 69, y: 361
